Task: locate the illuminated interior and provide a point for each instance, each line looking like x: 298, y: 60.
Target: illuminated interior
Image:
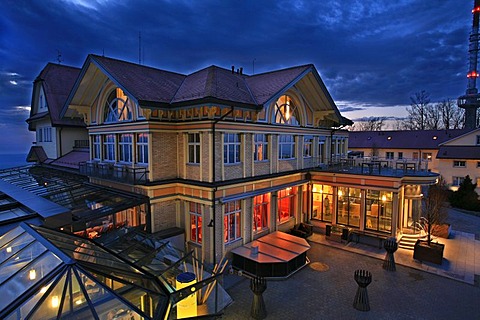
x: 286, y: 112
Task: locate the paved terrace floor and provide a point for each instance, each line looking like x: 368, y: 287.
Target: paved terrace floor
x: 325, y: 289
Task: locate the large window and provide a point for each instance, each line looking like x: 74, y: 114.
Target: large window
x: 348, y: 206
x: 379, y: 209
x: 261, y: 206
x: 109, y: 147
x: 231, y: 148
x: 97, y: 144
x: 125, y: 147
x: 307, y: 146
x: 286, y: 147
x: 286, y: 112
x: 261, y: 147
x: 195, y: 211
x: 322, y: 202
x: 286, y: 204
x: 142, y: 148
x: 117, y: 107
x: 389, y: 155
x: 193, y: 148
x: 231, y: 221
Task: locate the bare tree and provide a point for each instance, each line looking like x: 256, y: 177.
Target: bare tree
x: 369, y: 124
x: 418, y: 111
x: 452, y: 116
x: 435, y: 206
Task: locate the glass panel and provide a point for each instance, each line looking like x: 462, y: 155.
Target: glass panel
x: 28, y: 306
x: 49, y: 307
x: 20, y: 259
x: 14, y: 246
x: 10, y: 235
x: 25, y: 279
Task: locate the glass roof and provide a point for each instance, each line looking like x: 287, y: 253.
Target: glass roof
x: 45, y: 274
x: 72, y: 191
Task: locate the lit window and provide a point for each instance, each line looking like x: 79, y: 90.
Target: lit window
x: 231, y: 221
x: 195, y: 211
x: 307, y: 146
x: 193, y: 148
x: 389, y: 155
x: 260, y: 211
x: 142, y: 148
x: 286, y: 147
x: 261, y: 147
x: 286, y: 112
x: 231, y: 148
x: 348, y: 206
x: 286, y: 204
x: 378, y: 210
x: 117, y: 107
x: 427, y: 156
x: 459, y: 164
x: 322, y: 202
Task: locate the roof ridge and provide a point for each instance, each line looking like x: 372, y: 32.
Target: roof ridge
x: 308, y: 65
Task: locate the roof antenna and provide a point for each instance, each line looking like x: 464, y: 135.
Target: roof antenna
x: 59, y: 57
x: 139, y: 47
x: 103, y: 52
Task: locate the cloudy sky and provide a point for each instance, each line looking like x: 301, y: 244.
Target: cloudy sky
x: 371, y: 54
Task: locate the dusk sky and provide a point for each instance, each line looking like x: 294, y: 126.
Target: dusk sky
x: 371, y: 54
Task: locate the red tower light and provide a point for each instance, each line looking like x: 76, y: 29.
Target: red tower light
x: 477, y: 9
x: 473, y: 74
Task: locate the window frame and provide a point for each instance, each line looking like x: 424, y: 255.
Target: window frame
x: 260, y: 141
x: 125, y: 147
x: 142, y: 148
x: 231, y: 148
x: 261, y: 204
x: 389, y: 155
x: 195, y: 218
x: 286, y: 141
x: 289, y: 194
x: 97, y: 147
x: 193, y: 148
x: 457, y: 180
x: 232, y: 217
x: 459, y: 163
x: 109, y: 147
x: 307, y: 146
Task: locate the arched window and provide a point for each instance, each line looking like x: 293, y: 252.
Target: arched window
x: 286, y: 111
x: 117, y: 107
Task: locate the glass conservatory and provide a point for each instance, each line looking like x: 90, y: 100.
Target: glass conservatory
x: 48, y: 274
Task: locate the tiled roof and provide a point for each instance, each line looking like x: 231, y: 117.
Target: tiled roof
x: 417, y: 139
x: 459, y: 152
x: 155, y: 87
x: 57, y: 81
x: 146, y: 84
x: 73, y: 158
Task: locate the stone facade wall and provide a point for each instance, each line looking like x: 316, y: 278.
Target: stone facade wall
x: 164, y: 215
x: 165, y: 148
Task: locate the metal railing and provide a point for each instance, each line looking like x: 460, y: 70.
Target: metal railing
x: 116, y: 172
x: 81, y: 143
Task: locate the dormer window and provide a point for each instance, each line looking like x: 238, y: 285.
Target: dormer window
x: 286, y: 112
x: 117, y: 107
x: 42, y: 102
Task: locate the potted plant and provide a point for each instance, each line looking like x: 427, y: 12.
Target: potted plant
x: 434, y: 212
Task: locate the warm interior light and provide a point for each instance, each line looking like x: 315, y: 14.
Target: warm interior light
x: 79, y: 301
x: 384, y: 198
x: 314, y: 189
x: 55, y: 302
x: 287, y: 112
x: 472, y: 74
x: 43, y: 290
x: 435, y: 137
x: 340, y: 193
x: 32, y: 275
x: 9, y: 249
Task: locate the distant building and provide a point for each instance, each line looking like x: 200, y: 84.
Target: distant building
x: 451, y: 153
x: 56, y: 137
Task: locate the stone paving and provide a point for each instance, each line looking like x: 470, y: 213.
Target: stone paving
x: 328, y: 292
x: 325, y: 289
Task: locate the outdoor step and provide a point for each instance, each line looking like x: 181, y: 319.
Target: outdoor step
x: 408, y: 241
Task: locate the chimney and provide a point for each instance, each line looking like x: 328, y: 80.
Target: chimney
x: 241, y: 70
x: 233, y: 69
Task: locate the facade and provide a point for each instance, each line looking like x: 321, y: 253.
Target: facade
x: 230, y: 157
x: 451, y: 153
x: 460, y: 157
x: 55, y: 137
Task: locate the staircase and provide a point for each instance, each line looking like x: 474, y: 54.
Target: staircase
x: 407, y: 241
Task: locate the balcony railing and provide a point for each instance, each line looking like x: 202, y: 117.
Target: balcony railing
x: 81, y: 143
x: 116, y: 172
x: 373, y: 166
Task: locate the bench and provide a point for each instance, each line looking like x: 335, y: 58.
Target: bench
x: 356, y: 234
x: 302, y: 230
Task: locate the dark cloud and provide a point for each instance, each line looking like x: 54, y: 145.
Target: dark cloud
x: 369, y: 53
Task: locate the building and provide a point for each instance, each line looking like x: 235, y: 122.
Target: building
x: 57, y: 138
x: 459, y: 157
x: 451, y: 153
x: 218, y: 157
